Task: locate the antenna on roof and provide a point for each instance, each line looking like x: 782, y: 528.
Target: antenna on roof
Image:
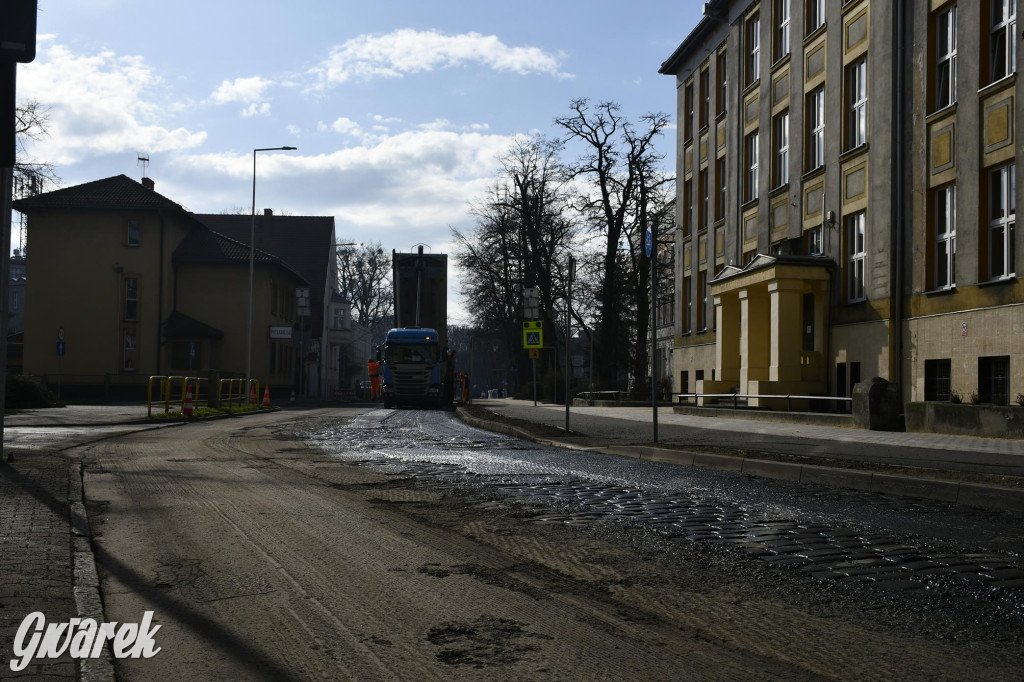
x: 144, y: 162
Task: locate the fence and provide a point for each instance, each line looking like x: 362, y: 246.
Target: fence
x: 700, y: 399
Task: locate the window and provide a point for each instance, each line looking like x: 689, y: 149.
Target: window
x: 688, y: 111
x: 816, y: 129
x: 938, y: 379
x: 814, y: 244
x: 705, y: 97
x: 134, y: 233
x: 722, y: 78
x: 815, y: 14
x: 1002, y: 221
x: 129, y: 349
x: 131, y: 299
x: 856, y: 250
x: 751, y: 151
x: 782, y: 17
x: 1003, y: 39
x: 945, y: 237
x: 857, y: 94
x: 780, y: 129
x: 945, y: 57
x: 687, y: 305
x: 720, y: 195
x: 687, y: 207
x: 753, y: 48
x: 994, y: 379
x: 702, y: 300
x: 705, y: 195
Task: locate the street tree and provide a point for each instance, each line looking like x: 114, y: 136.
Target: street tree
x: 621, y: 194
x: 364, y: 279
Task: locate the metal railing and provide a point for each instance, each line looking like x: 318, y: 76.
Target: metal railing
x: 735, y: 397
x: 177, y: 388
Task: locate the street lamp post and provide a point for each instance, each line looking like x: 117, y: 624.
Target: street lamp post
x: 252, y: 257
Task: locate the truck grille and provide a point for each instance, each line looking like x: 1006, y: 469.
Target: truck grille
x: 412, y: 381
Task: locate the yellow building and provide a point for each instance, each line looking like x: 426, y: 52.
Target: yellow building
x: 133, y: 285
x: 847, y: 199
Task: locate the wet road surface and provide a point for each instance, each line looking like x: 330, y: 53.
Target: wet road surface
x: 850, y: 536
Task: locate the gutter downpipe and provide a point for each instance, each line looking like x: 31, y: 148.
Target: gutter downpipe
x: 897, y: 210
x: 160, y: 299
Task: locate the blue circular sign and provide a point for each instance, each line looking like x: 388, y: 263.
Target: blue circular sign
x: 649, y: 242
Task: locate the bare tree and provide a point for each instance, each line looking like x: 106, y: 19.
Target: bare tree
x: 31, y: 124
x: 622, y: 197
x: 364, y: 279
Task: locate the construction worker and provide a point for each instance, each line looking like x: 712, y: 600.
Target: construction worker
x: 373, y: 369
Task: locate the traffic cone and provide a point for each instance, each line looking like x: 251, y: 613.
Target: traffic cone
x: 252, y: 394
x: 186, y: 409
x: 266, y: 397
x: 291, y: 401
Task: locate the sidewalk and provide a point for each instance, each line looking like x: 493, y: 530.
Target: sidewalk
x: 983, y: 472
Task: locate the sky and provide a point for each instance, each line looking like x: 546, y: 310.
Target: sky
x: 399, y: 110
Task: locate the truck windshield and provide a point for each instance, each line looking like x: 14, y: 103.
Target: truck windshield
x: 420, y: 354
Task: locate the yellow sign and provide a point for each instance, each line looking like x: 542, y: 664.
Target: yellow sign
x: 535, y: 353
x: 533, y: 334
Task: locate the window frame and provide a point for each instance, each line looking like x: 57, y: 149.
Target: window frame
x: 753, y: 33
x: 1002, y: 21
x: 783, y: 32
x: 129, y: 349
x: 945, y: 207
x: 751, y: 151
x: 1004, y: 178
x: 780, y: 131
x: 720, y: 196
x: 129, y: 303
x: 857, y: 103
x: 856, y: 260
x: 815, y: 15
x: 945, y: 62
x: 133, y: 233
x: 816, y: 129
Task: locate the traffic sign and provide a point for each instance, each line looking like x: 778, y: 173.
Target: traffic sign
x: 535, y: 353
x: 60, y: 349
x: 60, y: 334
x: 533, y: 334
x: 649, y: 242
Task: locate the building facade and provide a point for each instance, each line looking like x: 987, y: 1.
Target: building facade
x: 847, y: 197
x: 134, y: 286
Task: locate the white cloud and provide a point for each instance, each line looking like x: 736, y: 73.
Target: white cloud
x: 408, y: 51
x: 257, y: 109
x: 100, y: 104
x: 346, y: 126
x: 240, y: 90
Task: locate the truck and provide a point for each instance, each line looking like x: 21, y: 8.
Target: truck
x: 415, y: 365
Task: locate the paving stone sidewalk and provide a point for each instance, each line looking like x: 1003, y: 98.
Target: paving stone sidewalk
x: 36, y: 554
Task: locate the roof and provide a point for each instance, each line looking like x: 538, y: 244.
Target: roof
x: 181, y: 326
x: 715, y: 12
x: 205, y: 247
x: 117, y: 193
x: 305, y: 243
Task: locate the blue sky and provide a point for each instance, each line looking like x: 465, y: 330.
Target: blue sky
x: 398, y: 109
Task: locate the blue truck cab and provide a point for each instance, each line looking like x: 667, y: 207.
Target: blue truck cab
x: 412, y: 367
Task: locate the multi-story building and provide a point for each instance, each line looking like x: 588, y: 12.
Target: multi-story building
x: 846, y: 198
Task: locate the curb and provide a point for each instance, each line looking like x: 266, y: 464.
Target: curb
x: 962, y: 493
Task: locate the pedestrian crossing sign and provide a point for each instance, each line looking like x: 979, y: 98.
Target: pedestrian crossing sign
x: 533, y: 334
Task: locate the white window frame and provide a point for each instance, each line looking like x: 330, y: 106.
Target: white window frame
x: 945, y: 60
x: 856, y: 247
x: 816, y: 127
x: 858, y: 103
x: 131, y: 295
x: 1003, y: 39
x: 782, y: 149
x: 945, y: 237
x: 752, y: 166
x: 1002, y: 222
x: 815, y: 15
x: 133, y: 235
x: 815, y: 242
x: 754, y: 51
x: 782, y: 26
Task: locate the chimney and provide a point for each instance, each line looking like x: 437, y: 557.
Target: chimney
x: 149, y: 184
x: 268, y: 212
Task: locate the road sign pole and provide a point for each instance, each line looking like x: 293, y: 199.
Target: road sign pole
x: 534, y: 363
